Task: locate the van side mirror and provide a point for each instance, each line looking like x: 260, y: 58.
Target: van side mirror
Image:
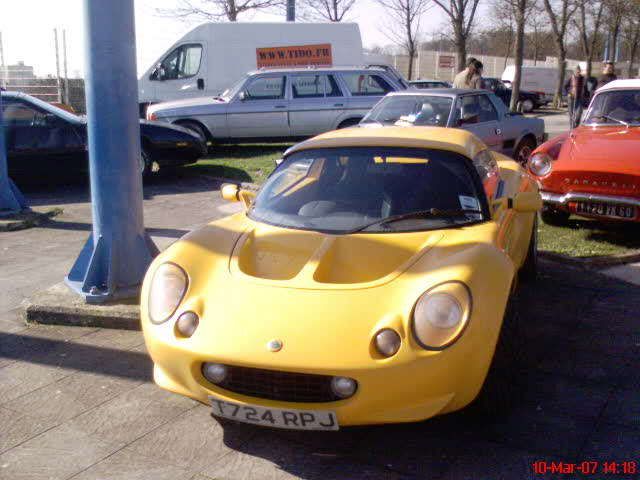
x: 526, y: 202
x: 158, y: 73
x: 242, y: 96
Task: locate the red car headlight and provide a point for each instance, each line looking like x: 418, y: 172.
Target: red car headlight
x: 540, y: 164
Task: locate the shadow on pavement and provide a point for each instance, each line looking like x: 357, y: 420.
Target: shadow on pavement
x: 81, y: 226
x: 76, y: 356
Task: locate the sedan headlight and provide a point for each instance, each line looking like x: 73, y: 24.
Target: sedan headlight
x: 441, y: 315
x: 168, y: 286
x: 540, y: 164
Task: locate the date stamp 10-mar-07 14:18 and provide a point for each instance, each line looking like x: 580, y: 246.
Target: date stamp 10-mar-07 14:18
x: 587, y: 467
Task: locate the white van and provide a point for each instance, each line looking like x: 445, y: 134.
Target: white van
x: 534, y: 79
x: 213, y: 56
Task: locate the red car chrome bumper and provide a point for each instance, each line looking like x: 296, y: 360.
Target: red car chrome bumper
x: 569, y: 202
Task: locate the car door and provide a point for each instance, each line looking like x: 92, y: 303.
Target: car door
x: 39, y: 141
x: 316, y: 103
x: 477, y: 114
x: 182, y: 73
x: 259, y: 109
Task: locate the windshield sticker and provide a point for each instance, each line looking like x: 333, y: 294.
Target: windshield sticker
x: 468, y: 203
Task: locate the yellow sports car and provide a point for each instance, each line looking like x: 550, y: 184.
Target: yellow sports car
x: 366, y: 282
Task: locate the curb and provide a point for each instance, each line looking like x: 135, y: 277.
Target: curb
x: 600, y: 261
x: 58, y: 305
x: 27, y: 219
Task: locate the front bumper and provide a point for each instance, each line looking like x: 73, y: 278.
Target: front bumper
x: 408, y: 388
x: 566, y: 201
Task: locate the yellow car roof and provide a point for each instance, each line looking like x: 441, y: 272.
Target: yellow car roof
x: 452, y: 139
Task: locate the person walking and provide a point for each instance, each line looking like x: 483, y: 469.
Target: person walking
x: 608, y: 74
x: 469, y: 77
x: 575, y: 91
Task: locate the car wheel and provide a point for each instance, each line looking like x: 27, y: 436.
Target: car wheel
x: 551, y: 216
x: 529, y: 270
x: 501, y: 386
x: 527, y: 106
x: 145, y: 164
x: 523, y: 151
x: 197, y: 129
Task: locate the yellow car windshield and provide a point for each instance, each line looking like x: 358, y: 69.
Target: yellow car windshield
x: 339, y: 190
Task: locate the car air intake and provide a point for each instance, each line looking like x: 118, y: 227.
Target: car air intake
x: 276, y: 385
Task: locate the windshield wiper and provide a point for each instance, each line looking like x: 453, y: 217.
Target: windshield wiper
x: 431, y: 213
x: 614, y: 119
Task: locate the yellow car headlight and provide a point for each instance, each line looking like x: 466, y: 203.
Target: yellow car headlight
x: 168, y: 286
x: 441, y: 315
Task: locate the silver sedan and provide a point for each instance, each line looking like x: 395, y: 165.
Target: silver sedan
x: 478, y: 111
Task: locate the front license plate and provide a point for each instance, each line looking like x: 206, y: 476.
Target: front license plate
x: 606, y: 210
x: 275, y: 417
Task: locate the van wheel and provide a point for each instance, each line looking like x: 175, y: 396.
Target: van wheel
x: 529, y: 270
x: 524, y: 149
x: 352, y: 122
x: 501, y: 386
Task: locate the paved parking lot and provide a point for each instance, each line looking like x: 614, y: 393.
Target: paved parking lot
x: 79, y: 402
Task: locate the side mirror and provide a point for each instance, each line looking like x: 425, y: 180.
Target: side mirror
x: 242, y: 96
x: 526, y: 202
x: 232, y: 193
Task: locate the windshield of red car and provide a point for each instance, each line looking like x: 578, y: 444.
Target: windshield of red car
x: 615, y: 107
x: 340, y: 190
x: 414, y: 109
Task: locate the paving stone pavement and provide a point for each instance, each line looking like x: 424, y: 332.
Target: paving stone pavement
x: 80, y: 403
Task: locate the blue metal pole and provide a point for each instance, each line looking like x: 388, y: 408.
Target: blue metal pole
x: 113, y: 261
x: 11, y: 200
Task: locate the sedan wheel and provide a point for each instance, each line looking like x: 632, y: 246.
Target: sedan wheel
x: 523, y: 151
x: 527, y: 106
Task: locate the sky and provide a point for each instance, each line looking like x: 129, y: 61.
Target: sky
x: 27, y: 30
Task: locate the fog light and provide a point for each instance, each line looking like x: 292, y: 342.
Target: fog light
x: 387, y: 342
x: 214, y: 372
x: 343, y: 387
x: 187, y: 324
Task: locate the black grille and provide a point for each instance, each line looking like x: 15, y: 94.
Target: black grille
x: 283, y: 386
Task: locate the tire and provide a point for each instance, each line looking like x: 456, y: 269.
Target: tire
x: 501, y: 386
x: 196, y: 128
x: 352, y: 122
x: 528, y: 105
x: 558, y: 218
x: 524, y: 149
x: 529, y: 270
x: 145, y: 164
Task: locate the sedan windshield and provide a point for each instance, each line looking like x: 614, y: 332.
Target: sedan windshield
x: 371, y: 189
x: 414, y: 109
x: 621, y: 107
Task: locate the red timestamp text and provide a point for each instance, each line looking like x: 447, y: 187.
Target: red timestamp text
x: 587, y: 467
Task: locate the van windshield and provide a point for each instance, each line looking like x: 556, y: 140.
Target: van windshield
x: 230, y: 92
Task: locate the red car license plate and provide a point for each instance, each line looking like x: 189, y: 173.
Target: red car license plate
x: 606, y: 210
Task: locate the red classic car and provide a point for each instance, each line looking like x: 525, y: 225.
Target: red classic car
x: 594, y: 170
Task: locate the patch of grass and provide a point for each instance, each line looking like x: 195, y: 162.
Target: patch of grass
x: 244, y: 163
x: 589, y: 238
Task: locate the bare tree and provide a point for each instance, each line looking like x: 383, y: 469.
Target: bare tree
x: 461, y: 14
x: 217, y: 10
x: 516, y: 11
x: 588, y: 23
x: 615, y: 12
x: 631, y: 35
x: 404, y: 28
x: 538, y: 37
x: 325, y: 10
x: 559, y: 13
